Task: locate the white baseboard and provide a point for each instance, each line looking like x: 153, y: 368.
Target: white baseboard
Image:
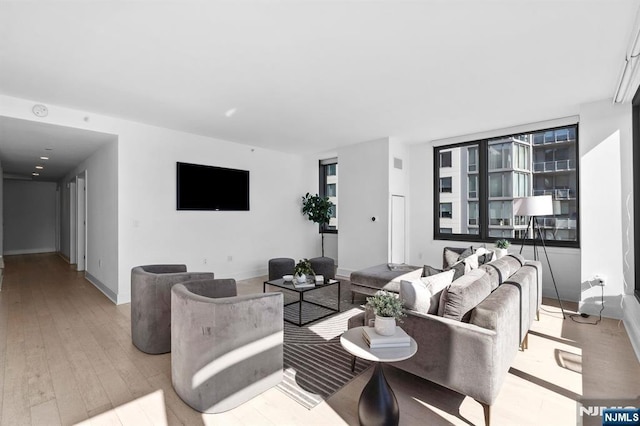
x: 29, y: 251
x: 342, y: 272
x: 632, y: 321
x: 102, y: 287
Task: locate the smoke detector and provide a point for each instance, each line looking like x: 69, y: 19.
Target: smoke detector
x: 40, y: 110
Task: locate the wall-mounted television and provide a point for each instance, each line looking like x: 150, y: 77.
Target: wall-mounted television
x: 202, y: 187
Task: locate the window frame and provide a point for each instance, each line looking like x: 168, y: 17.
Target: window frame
x: 483, y: 190
x: 323, y: 167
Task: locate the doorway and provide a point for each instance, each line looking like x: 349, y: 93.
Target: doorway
x: 78, y: 221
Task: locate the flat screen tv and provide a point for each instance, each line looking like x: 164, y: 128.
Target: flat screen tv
x: 211, y: 188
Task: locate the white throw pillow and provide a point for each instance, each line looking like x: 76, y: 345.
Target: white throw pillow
x: 471, y: 263
x: 423, y: 295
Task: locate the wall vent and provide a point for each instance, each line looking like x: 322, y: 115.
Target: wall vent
x: 397, y: 163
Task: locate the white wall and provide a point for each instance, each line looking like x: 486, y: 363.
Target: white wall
x: 150, y: 230
x: 364, y: 193
x: 605, y: 205
x: 1, y: 211
x: 29, y: 217
x: 102, y: 217
x: 232, y: 244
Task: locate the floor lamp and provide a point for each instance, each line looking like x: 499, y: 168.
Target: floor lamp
x: 533, y: 207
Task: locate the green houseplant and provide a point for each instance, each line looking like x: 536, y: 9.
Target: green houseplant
x: 501, y: 248
x: 302, y: 269
x: 318, y: 210
x: 388, y: 308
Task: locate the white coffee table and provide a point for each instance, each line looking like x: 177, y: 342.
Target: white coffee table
x: 378, y: 404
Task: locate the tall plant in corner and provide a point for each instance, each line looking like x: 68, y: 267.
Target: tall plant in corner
x: 318, y: 210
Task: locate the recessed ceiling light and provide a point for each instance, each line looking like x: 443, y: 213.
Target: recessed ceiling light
x: 44, y: 158
x: 230, y: 112
x: 39, y: 167
x: 35, y: 174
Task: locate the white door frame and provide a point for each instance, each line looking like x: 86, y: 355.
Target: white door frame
x: 73, y: 222
x: 81, y: 233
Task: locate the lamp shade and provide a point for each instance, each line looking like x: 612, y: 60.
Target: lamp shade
x: 541, y: 205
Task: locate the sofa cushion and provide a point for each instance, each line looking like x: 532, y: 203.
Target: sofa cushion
x: 423, y: 295
x: 452, y: 255
x: 464, y: 294
x: 501, y: 269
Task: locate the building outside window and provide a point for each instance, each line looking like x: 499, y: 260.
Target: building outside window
x: 446, y: 210
x: 445, y: 159
x: 329, y: 188
x: 445, y: 184
x: 492, y: 172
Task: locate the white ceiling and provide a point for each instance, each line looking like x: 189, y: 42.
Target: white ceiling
x: 309, y: 76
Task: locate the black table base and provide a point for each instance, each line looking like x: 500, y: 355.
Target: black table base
x: 378, y: 405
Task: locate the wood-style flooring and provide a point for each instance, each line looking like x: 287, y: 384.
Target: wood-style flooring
x: 66, y: 358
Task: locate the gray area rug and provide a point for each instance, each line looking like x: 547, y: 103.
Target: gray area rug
x: 315, y: 364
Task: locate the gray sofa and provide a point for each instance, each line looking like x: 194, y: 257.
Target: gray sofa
x: 472, y: 355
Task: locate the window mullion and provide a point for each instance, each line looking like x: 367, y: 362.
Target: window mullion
x: 483, y: 188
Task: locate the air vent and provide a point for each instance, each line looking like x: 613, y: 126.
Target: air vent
x: 397, y: 163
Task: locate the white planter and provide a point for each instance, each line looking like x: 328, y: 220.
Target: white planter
x: 385, y: 326
x: 302, y: 278
x: 501, y: 253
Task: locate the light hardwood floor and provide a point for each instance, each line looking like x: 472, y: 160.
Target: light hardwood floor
x: 66, y: 357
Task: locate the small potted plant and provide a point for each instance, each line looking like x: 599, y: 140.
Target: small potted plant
x: 501, y: 248
x: 388, y: 308
x: 302, y: 269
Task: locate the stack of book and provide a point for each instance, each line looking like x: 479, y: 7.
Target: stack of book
x: 303, y: 285
x: 376, y: 341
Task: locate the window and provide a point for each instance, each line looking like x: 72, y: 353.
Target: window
x: 493, y: 172
x: 446, y: 230
x: 445, y: 184
x: 473, y: 186
x: 329, y: 188
x: 473, y: 214
x: 445, y: 159
x: 446, y: 210
x: 472, y: 155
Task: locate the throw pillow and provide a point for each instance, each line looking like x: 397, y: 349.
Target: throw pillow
x: 423, y: 295
x: 457, y: 301
x: 458, y: 269
x: 471, y: 263
x: 452, y: 255
x: 484, y: 255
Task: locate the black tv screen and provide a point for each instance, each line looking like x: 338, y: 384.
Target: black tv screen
x: 212, y: 188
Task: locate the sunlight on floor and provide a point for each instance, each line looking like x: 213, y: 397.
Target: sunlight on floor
x: 147, y: 410
x: 326, y: 328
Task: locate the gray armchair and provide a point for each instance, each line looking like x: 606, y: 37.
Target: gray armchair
x: 151, y: 304
x: 225, y: 349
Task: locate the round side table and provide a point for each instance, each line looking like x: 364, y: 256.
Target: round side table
x: 378, y: 404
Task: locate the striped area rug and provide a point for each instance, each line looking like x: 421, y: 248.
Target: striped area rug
x: 315, y: 364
